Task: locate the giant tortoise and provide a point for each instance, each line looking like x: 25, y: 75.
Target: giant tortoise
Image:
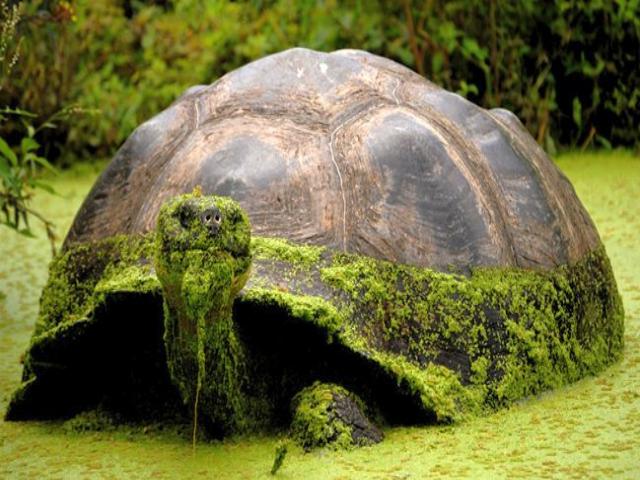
x: 413, y: 256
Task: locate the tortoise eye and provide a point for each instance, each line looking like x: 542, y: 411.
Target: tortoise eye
x: 185, y: 215
x: 217, y: 218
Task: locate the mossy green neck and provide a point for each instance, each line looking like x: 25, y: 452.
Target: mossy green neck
x: 202, y: 260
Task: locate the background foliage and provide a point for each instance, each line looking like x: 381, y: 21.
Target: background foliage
x: 567, y: 68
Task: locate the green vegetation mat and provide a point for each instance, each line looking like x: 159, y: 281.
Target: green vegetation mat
x: 590, y: 429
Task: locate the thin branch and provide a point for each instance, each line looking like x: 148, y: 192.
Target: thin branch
x: 418, y: 57
x: 21, y: 209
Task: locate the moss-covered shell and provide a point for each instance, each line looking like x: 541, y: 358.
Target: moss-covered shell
x: 416, y: 344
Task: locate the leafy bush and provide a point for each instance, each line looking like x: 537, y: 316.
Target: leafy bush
x: 19, y: 178
x: 567, y: 68
x: 19, y: 163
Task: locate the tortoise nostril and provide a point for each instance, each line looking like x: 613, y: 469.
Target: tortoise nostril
x: 211, y: 219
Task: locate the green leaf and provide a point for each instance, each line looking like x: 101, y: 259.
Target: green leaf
x: 43, y: 162
x: 44, y: 186
x: 577, y: 112
x: 5, y: 149
x: 28, y: 144
x: 437, y: 62
x: 471, y: 48
x: 606, y: 144
x: 466, y: 88
x: 592, y: 70
x: 26, y: 232
x: 5, y: 170
x: 18, y: 112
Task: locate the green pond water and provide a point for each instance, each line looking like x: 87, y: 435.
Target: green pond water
x: 590, y: 429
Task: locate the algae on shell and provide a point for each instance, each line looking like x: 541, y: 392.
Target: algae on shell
x: 448, y: 345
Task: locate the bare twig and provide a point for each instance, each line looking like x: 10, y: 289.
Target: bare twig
x: 20, y: 209
x: 416, y: 51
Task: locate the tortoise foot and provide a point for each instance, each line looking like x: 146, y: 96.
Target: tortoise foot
x: 327, y: 415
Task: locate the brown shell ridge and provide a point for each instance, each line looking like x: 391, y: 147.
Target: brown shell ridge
x: 532, y: 218
x: 125, y: 181
x: 574, y: 240
x: 497, y: 236
x: 354, y: 152
x: 485, y: 182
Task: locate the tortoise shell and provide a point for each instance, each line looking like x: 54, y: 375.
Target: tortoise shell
x: 355, y: 152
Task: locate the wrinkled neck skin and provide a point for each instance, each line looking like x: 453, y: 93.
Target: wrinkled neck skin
x: 204, y: 355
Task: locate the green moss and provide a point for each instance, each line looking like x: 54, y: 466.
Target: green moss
x: 196, y: 222
x: 317, y: 421
x: 128, y: 278
x: 96, y: 420
x: 511, y: 333
x: 305, y: 256
x: 80, y: 278
x: 463, y: 344
x: 308, y: 308
x: 460, y: 344
x: 74, y: 274
x: 438, y: 387
x: 201, y: 280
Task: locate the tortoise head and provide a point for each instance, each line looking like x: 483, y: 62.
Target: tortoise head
x: 207, y: 223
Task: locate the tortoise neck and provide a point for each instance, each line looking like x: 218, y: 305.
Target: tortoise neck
x: 205, y: 356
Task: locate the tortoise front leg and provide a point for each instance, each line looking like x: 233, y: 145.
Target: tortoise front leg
x: 326, y: 414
